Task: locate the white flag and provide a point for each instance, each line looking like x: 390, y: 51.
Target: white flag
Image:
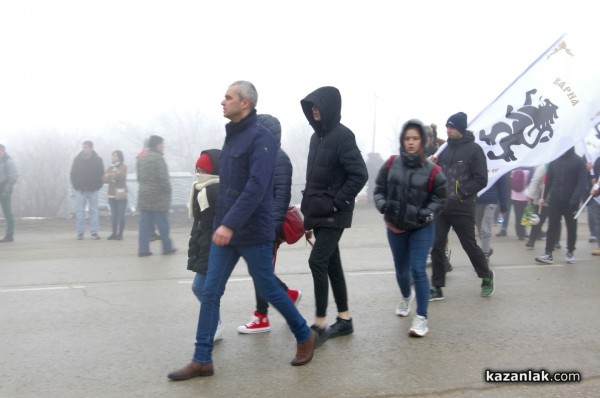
x: 592, y: 141
x: 544, y: 112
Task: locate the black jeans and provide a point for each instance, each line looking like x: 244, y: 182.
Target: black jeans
x: 262, y: 305
x: 556, y: 210
x: 464, y: 226
x: 326, y: 265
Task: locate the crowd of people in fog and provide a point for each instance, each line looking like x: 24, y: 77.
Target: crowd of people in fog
x: 241, y: 194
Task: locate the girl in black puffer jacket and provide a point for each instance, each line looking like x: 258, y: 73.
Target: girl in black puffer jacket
x: 410, y: 191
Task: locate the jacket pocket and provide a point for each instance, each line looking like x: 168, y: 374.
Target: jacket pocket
x: 319, y: 204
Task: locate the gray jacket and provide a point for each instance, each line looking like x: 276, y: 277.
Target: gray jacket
x: 8, y: 174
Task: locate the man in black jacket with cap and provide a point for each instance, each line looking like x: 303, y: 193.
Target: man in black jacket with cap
x: 465, y: 166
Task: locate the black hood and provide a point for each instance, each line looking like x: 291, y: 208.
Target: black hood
x: 214, y: 155
x: 329, y: 103
x: 273, y: 125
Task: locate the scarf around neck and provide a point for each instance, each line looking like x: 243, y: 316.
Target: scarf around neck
x: 199, y: 185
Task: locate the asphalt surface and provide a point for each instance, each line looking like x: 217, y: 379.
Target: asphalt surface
x: 91, y: 319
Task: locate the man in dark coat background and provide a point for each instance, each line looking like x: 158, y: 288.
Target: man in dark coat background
x: 86, y: 177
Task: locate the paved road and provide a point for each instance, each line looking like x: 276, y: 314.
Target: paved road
x: 90, y: 319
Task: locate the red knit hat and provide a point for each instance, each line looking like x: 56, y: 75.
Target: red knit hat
x: 204, y: 162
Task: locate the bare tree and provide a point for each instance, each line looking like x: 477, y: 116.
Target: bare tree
x: 43, y: 160
x: 187, y: 134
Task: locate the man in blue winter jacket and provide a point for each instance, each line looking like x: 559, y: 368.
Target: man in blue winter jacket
x: 244, y: 228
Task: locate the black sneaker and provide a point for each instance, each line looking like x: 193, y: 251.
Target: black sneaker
x: 322, y: 335
x: 341, y: 327
x: 529, y: 244
x: 436, y: 294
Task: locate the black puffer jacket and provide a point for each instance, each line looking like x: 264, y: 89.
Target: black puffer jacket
x: 411, y: 192
x: 465, y: 166
x: 336, y: 170
x: 202, y: 229
x: 282, y: 174
x: 567, y: 180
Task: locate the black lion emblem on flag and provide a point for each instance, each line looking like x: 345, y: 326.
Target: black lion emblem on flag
x: 537, y: 120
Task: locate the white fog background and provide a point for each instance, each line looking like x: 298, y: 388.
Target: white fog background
x: 116, y: 71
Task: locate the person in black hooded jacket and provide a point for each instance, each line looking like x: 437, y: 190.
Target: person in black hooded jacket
x: 282, y: 194
x: 335, y: 174
x: 465, y: 167
x: 410, y: 191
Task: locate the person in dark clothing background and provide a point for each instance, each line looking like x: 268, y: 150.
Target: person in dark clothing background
x: 465, y: 166
x: 8, y: 178
x: 282, y: 194
x: 335, y: 174
x: 566, y: 186
x: 86, y: 176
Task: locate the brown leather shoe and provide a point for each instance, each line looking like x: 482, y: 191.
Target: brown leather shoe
x: 192, y: 370
x: 306, y: 350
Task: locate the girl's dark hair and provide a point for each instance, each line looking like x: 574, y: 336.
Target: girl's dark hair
x: 119, y: 155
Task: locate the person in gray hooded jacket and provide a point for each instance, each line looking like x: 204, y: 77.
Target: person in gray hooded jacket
x: 335, y: 174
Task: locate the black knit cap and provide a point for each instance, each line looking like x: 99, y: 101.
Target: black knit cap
x: 458, y: 121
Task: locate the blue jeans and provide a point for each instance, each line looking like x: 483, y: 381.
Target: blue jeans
x: 117, y: 210
x: 147, y: 221
x: 221, y: 262
x: 409, y: 250
x: 91, y: 197
x: 198, y: 285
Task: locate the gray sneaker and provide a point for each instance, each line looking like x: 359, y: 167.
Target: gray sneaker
x: 419, y: 327
x: 570, y: 258
x: 404, y: 306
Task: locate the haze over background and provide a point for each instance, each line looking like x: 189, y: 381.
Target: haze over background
x: 77, y: 65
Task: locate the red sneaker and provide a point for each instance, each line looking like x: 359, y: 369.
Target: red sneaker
x: 258, y: 324
x: 295, y: 296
